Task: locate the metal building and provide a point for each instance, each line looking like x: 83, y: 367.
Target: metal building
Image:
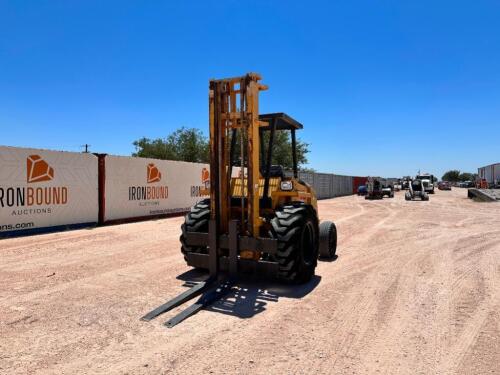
x: 491, y: 173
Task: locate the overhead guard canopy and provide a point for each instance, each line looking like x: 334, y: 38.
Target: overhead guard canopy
x: 284, y: 122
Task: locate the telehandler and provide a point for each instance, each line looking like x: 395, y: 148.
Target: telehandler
x: 259, y: 221
x: 416, y: 190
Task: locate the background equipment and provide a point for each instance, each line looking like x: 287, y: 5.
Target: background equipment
x: 428, y: 182
x: 416, y: 189
x: 388, y: 191
x: 374, y: 189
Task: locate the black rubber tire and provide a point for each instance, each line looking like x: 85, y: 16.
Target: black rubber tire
x: 425, y: 197
x: 296, y: 228
x: 196, y: 221
x: 407, y: 196
x: 327, y: 240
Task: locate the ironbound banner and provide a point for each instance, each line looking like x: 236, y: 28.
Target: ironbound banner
x: 46, y: 189
x: 140, y: 187
x: 41, y: 188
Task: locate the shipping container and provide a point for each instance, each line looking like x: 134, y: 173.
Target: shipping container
x: 138, y: 188
x: 357, y: 182
x: 42, y: 190
x: 491, y: 173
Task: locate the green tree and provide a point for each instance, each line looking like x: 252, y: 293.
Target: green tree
x: 282, y: 149
x: 191, y: 145
x: 467, y: 176
x: 452, y: 176
x: 183, y: 144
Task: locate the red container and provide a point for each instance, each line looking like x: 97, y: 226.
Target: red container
x: 357, y: 182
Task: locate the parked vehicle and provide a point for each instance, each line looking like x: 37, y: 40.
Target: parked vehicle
x: 405, y: 183
x: 466, y: 184
x: 374, y: 189
x: 388, y: 191
x: 444, y: 185
x: 428, y: 182
x: 362, y: 190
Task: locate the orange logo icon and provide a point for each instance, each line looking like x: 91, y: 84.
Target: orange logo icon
x: 38, y: 170
x: 205, y: 177
x: 154, y: 175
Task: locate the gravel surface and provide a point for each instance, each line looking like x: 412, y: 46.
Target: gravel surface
x: 415, y: 290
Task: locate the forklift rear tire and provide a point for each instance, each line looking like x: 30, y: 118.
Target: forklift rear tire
x: 196, y: 221
x: 296, y: 228
x: 327, y: 240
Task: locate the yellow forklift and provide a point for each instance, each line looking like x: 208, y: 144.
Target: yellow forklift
x: 259, y: 220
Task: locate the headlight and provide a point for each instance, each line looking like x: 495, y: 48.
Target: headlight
x: 286, y: 185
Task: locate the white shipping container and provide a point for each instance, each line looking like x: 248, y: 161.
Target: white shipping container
x: 491, y: 173
x: 141, y: 187
x: 41, y: 188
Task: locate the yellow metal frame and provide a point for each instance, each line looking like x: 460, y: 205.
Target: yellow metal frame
x: 234, y: 109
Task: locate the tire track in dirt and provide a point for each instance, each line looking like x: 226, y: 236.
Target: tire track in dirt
x: 475, y: 301
x: 389, y: 302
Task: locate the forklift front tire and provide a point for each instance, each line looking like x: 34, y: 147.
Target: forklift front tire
x: 196, y: 221
x: 296, y: 228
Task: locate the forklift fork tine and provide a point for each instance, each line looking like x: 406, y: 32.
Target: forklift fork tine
x: 179, y: 300
x: 209, y: 297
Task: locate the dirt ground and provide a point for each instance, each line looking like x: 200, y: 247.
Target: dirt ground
x: 415, y: 290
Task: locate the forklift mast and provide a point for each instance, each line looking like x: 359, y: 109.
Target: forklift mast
x: 234, y: 117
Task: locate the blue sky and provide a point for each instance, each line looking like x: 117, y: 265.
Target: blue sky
x: 382, y: 87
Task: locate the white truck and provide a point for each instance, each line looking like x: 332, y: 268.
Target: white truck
x: 428, y: 182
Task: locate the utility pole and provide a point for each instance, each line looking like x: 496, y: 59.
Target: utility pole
x: 86, y: 146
